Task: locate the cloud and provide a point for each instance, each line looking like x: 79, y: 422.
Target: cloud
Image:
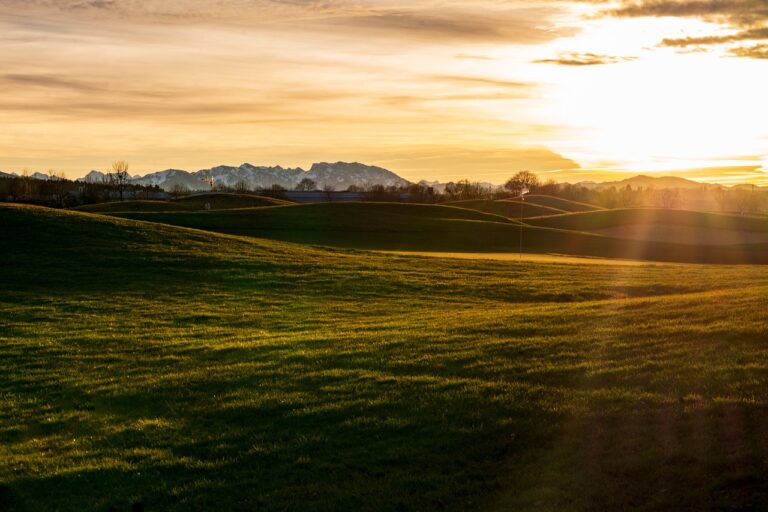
x: 48, y: 81
x: 746, y: 35
x: 483, y: 81
x: 759, y: 51
x: 734, y: 12
x: 472, y: 56
x: 457, y: 24
x: 748, y: 17
x: 453, y: 20
x: 584, y: 59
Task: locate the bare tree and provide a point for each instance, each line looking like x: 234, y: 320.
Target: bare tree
x: 746, y: 201
x: 521, y: 180
x: 627, y: 196
x: 721, y: 196
x: 58, y: 187
x: 179, y: 189
x: 329, y: 190
x: 307, y: 184
x: 27, y: 181
x: 670, y: 198
x: 119, y: 176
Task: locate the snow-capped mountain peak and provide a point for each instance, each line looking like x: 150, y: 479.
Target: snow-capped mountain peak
x: 339, y: 176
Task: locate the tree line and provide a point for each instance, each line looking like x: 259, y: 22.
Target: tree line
x: 57, y: 191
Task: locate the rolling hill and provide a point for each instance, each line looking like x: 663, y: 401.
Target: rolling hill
x: 185, y: 370
x: 678, y: 226
x: 655, y: 182
x: 559, y: 203
x: 508, y: 208
x: 217, y: 201
x: 398, y: 227
x: 619, y: 217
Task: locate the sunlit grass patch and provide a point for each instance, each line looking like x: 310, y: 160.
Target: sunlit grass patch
x: 189, y: 370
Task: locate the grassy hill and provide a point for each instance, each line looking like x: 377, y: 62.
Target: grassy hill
x: 389, y: 226
x: 224, y: 201
x: 611, y: 218
x: 687, y: 227
x: 190, y: 371
x: 197, y: 202
x: 561, y: 204
x: 508, y: 208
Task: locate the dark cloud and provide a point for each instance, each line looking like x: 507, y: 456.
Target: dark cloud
x: 481, y: 25
x: 94, y: 4
x: 745, y: 35
x: 584, y: 59
x: 748, y: 17
x: 736, y: 12
x: 759, y: 51
x: 61, y: 97
x: 487, y: 21
x: 48, y: 82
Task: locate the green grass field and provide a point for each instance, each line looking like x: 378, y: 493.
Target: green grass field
x: 189, y: 370
x: 408, y: 227
x: 587, y: 221
x: 197, y: 202
x: 561, y: 204
x: 508, y: 208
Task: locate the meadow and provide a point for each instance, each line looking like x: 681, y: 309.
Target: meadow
x: 449, y: 228
x: 196, y: 202
x: 186, y: 369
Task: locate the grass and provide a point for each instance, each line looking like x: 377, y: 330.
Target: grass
x: 197, y: 202
x: 188, y: 370
x: 508, y: 208
x: 561, y: 204
x: 527, y: 257
x: 621, y: 217
x: 224, y: 201
x: 404, y: 227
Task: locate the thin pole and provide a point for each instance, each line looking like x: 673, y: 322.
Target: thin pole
x: 522, y: 198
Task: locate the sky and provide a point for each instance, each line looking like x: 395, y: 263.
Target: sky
x: 430, y: 89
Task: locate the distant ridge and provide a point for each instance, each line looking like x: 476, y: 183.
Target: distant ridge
x: 340, y: 176
x: 337, y: 176
x: 643, y: 181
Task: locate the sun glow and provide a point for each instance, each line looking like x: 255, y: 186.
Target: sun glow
x: 470, y: 90
x: 659, y: 110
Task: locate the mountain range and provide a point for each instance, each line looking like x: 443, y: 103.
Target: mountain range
x: 643, y: 181
x: 337, y: 176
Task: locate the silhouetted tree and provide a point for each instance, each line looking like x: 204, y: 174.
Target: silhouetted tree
x: 119, y: 176
x: 329, y: 190
x: 523, y: 179
x: 720, y: 195
x: 306, y: 185
x: 465, y: 189
x: 670, y: 198
x: 179, y: 190
x: 274, y: 190
x: 627, y: 197
x: 58, y: 187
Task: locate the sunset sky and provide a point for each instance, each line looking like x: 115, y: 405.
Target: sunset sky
x: 478, y: 89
